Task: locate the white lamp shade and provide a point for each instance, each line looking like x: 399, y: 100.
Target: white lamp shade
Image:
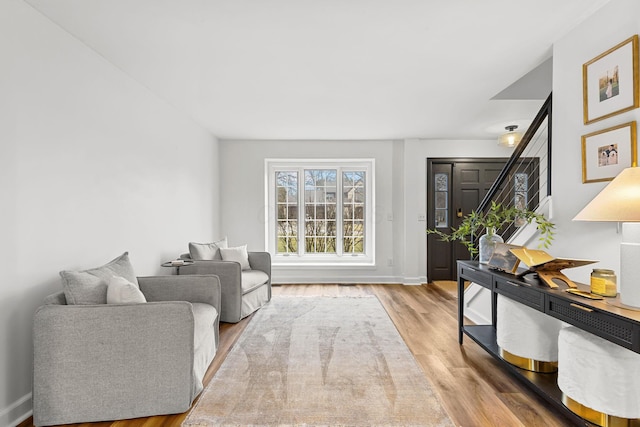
x: 619, y: 201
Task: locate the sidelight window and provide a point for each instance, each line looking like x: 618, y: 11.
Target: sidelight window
x: 441, y: 183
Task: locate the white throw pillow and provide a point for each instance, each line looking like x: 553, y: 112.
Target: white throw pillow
x: 207, y: 251
x: 122, y: 291
x: 237, y: 254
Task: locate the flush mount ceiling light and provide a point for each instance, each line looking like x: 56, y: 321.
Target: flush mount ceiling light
x: 511, y: 138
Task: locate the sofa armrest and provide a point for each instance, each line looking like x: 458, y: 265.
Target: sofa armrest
x: 90, y: 360
x: 261, y: 261
x: 230, y: 276
x: 191, y: 288
x: 228, y: 272
x: 211, y: 266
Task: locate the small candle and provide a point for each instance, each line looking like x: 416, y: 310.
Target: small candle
x: 603, y: 282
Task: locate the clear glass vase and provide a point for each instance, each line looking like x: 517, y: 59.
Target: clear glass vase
x: 486, y: 246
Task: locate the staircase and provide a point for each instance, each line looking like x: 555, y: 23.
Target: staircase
x: 516, y: 185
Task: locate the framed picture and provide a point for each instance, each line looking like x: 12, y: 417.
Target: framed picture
x: 610, y: 82
x: 607, y: 152
x: 503, y: 259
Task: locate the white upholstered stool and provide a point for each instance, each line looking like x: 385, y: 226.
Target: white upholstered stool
x: 526, y: 337
x: 600, y: 380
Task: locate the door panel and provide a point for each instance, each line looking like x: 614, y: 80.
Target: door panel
x: 468, y: 200
x: 467, y: 174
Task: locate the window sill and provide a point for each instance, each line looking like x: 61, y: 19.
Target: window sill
x: 311, y: 266
x: 296, y: 262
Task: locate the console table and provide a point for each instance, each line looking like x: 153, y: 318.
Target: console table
x: 598, y: 317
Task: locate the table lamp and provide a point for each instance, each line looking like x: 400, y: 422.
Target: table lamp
x: 620, y: 202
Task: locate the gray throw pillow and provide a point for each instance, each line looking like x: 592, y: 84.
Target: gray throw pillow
x: 90, y: 286
x: 207, y: 251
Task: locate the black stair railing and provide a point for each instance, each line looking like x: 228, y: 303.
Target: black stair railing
x: 544, y: 115
x: 525, y: 180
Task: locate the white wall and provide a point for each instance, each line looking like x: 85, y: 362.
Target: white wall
x: 400, y: 197
x: 243, y: 200
x: 614, y: 23
x: 91, y: 165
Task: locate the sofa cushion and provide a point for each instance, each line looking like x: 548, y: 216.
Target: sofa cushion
x: 122, y: 291
x: 90, y: 286
x: 252, y: 279
x: 204, y: 342
x: 251, y: 301
x: 204, y: 317
x: 238, y: 254
x: 207, y: 251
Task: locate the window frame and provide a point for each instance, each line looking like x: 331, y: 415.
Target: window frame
x: 300, y: 258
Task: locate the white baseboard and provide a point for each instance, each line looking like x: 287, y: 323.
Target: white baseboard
x: 17, y: 412
x: 419, y: 280
x: 477, y: 304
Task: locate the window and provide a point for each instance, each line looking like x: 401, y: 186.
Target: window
x: 320, y: 211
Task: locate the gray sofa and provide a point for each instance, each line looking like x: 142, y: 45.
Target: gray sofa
x: 98, y: 362
x: 243, y: 291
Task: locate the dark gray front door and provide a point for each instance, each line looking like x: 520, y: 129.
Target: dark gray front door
x: 455, y: 187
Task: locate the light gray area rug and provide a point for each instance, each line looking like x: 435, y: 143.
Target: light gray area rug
x: 314, y: 361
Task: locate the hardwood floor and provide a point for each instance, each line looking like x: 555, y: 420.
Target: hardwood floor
x: 472, y: 385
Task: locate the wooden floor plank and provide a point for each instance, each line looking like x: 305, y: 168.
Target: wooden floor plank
x: 473, y: 387
x: 528, y: 410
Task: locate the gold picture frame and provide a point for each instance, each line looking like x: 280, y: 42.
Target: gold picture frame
x: 610, y: 82
x: 607, y: 152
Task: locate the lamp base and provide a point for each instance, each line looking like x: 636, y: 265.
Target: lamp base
x: 630, y: 264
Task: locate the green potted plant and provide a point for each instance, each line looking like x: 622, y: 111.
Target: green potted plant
x: 496, y: 218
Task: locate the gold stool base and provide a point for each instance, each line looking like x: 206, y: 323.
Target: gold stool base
x: 598, y: 417
x: 529, y: 364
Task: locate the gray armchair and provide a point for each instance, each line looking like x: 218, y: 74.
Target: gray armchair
x: 243, y: 291
x: 118, y: 361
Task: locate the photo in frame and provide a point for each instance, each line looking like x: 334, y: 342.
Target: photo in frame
x: 503, y: 259
x: 610, y: 82
x: 607, y: 152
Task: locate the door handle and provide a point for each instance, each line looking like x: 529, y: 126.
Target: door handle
x: 459, y: 213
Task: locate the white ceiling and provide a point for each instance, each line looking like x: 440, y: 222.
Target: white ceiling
x: 333, y: 69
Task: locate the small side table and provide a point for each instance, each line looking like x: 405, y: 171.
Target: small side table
x: 177, y: 263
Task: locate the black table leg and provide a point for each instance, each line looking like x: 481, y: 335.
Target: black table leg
x: 460, y: 309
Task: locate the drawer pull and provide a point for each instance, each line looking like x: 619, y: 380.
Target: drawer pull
x: 581, y: 307
x: 471, y: 269
x: 513, y: 283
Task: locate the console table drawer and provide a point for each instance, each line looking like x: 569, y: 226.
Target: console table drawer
x: 592, y: 320
x: 520, y: 293
x: 482, y: 278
